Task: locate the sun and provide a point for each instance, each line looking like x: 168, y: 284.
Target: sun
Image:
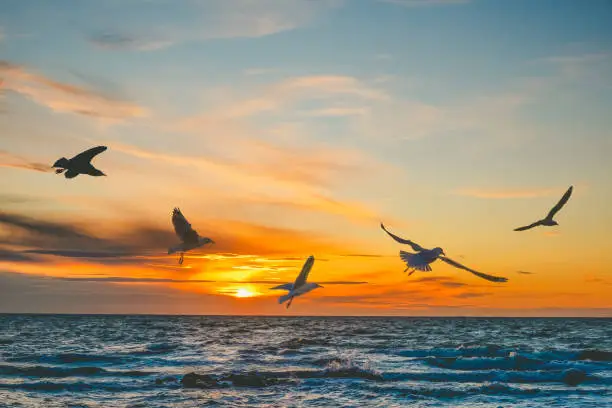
x: 243, y: 293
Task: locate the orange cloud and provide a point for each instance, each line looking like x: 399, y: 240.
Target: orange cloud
x: 62, y: 97
x: 18, y: 162
x: 294, y: 177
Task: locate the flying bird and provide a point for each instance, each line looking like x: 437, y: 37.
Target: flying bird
x: 423, y: 257
x: 548, y: 220
x: 300, y: 286
x: 80, y: 164
x: 188, y: 236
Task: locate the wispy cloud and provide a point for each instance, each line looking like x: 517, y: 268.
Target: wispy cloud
x: 424, y: 3
x: 440, y: 281
x: 294, y: 90
x: 135, y: 243
x: 525, y: 272
x: 124, y: 279
x: 204, y: 20
x: 577, y: 65
x: 303, y: 176
x: 504, y: 194
x: 470, y: 295
x: 116, y: 41
x: 66, y: 98
x: 18, y: 162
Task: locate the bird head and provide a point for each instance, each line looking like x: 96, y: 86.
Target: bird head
x: 63, y: 162
x: 439, y: 251
x: 555, y: 223
x: 318, y: 286
x: 204, y: 241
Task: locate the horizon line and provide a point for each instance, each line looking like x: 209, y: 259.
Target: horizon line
x: 305, y: 316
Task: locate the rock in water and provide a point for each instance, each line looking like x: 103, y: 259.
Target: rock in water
x: 573, y: 376
x: 193, y: 380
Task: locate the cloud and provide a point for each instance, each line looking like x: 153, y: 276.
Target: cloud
x: 294, y: 90
x: 304, y: 172
x: 425, y: 3
x: 365, y: 255
x: 169, y: 23
x: 124, y: 279
x: 14, y: 256
x: 525, y: 272
x: 25, y: 293
x: 68, y: 240
x: 134, y: 243
x: 440, y: 281
x: 66, y: 98
x: 470, y: 295
x: 115, y: 41
x: 17, y: 162
x: 577, y: 65
x: 79, y: 254
x: 505, y: 194
x: 270, y: 282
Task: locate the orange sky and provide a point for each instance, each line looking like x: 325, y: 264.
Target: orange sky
x: 285, y: 139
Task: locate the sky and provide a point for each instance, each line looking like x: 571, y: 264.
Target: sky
x: 289, y: 128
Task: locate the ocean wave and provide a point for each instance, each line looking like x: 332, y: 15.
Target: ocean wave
x: 349, y: 368
x: 47, y: 386
x: 72, y: 358
x: 158, y: 348
x: 489, y: 389
x: 297, y: 343
x: 4, y: 341
x: 570, y: 376
x: 49, y: 371
x: 490, y: 351
x: 595, y: 355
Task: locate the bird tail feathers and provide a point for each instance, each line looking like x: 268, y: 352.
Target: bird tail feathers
x: 414, y: 261
x: 173, y: 250
x: 284, y: 298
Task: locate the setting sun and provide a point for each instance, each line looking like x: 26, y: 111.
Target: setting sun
x: 244, y: 292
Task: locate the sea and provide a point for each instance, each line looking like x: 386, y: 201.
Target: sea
x: 244, y: 361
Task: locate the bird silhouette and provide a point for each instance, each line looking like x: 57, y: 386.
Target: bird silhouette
x: 423, y: 257
x: 300, y: 286
x: 189, y: 237
x: 80, y: 164
x: 548, y: 220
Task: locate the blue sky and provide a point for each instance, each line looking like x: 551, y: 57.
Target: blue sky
x: 450, y: 120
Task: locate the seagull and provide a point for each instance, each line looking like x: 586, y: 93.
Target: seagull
x: 299, y: 287
x: 189, y: 237
x: 80, y: 164
x: 548, y: 220
x: 421, y: 260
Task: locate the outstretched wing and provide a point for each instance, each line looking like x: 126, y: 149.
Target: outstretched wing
x: 284, y: 286
x: 301, y: 279
x: 526, y: 227
x: 87, y: 155
x: 561, y: 203
x: 414, y: 245
x: 480, y: 274
x: 182, y: 227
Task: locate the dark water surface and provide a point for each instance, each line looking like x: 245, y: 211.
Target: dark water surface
x: 141, y: 361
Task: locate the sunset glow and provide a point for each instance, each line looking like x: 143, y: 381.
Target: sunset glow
x: 297, y: 137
